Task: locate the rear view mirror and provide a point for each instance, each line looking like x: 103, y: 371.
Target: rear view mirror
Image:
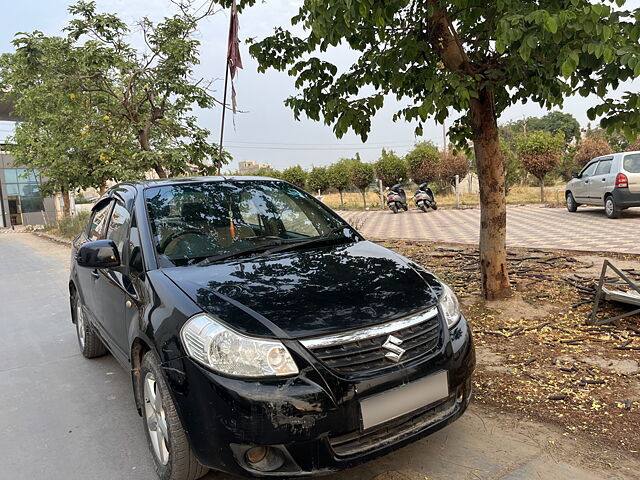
x: 99, y: 254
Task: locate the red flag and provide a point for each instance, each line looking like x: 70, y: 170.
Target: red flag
x: 233, y: 51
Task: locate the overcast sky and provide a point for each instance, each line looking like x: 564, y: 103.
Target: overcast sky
x: 267, y: 132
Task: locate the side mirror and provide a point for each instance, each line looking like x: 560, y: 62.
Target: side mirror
x: 99, y: 254
x: 575, y: 175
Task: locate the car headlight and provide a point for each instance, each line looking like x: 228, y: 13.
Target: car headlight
x: 231, y: 353
x: 450, y: 306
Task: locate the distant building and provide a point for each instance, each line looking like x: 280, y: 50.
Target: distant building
x: 20, y: 199
x: 249, y: 166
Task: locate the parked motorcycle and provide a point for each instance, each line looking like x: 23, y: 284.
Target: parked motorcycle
x: 424, y: 198
x: 397, y: 199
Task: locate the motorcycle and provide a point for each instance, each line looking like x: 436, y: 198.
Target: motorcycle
x: 424, y: 198
x: 397, y: 199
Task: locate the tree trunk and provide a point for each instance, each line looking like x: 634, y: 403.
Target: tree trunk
x: 103, y: 188
x: 341, y: 202
x: 67, y: 203
x: 493, y: 208
x: 364, y: 198
x: 143, y: 139
x: 542, y: 190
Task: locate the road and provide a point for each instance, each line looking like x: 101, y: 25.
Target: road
x: 531, y: 226
x: 65, y: 417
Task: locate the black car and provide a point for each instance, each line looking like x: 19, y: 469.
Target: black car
x: 264, y: 336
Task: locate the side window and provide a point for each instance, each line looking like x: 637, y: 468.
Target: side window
x: 589, y: 170
x: 632, y: 163
x: 136, y: 261
x: 98, y: 221
x: 604, y: 167
x: 119, y: 227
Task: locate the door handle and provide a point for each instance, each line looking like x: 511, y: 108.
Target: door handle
x: 604, y: 179
x: 95, y: 274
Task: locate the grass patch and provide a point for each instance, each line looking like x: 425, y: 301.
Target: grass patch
x: 68, y: 227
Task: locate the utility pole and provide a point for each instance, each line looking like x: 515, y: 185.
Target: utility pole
x: 444, y: 138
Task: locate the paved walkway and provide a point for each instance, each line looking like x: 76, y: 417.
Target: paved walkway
x: 527, y: 226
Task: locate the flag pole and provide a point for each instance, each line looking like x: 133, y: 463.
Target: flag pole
x: 224, y: 109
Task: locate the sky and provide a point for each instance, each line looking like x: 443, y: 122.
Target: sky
x: 266, y: 130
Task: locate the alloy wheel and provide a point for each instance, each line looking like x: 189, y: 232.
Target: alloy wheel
x: 80, y: 324
x: 156, y: 419
x: 609, y: 206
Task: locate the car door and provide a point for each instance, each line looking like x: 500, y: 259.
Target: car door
x: 87, y: 277
x: 581, y: 187
x: 110, y: 290
x: 601, y: 181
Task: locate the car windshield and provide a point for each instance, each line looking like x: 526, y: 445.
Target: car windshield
x: 196, y: 222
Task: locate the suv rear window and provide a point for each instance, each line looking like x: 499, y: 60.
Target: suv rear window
x: 632, y: 163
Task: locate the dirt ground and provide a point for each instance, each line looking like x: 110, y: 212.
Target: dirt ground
x: 536, y: 356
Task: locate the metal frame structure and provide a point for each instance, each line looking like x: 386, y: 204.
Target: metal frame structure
x: 619, y: 296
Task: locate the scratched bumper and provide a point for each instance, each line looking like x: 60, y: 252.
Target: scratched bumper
x: 303, y: 415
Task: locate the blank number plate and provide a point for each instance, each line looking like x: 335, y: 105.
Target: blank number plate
x: 399, y: 401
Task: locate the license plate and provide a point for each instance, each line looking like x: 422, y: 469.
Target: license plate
x: 399, y: 401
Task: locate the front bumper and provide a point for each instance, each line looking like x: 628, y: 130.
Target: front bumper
x: 625, y: 198
x: 313, y: 419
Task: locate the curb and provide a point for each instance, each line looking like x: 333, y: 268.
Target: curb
x: 53, y: 238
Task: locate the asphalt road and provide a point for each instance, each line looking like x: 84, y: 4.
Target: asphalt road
x: 65, y: 417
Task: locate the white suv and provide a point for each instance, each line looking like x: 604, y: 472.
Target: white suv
x: 611, y: 180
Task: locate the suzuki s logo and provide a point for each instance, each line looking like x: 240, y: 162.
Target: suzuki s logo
x: 392, y: 344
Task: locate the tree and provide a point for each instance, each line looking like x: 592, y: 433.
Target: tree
x: 540, y: 153
x: 318, y: 179
x: 635, y: 146
x: 589, y: 149
x: 512, y: 172
x: 141, y: 98
x: 476, y: 59
x: 422, y: 162
x: 295, y: 175
x: 390, y: 168
x: 558, y: 122
x: 339, y: 177
x: 362, y: 174
x: 451, y: 165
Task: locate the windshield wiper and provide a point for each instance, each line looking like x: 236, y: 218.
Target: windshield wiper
x: 289, y: 245
x: 241, y: 253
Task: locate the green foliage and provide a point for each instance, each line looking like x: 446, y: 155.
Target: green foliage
x: 390, y: 168
x: 540, y: 152
x: 69, y: 227
x: 295, y: 175
x: 318, y: 179
x: 95, y: 108
x: 362, y: 174
x: 339, y: 176
x: 553, y: 122
x: 423, y: 162
x: 513, y: 171
x: 543, y: 51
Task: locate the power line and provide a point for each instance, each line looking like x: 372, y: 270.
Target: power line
x: 403, y: 142
x: 329, y: 149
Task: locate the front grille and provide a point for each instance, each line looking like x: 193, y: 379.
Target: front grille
x: 357, y: 442
x: 361, y: 351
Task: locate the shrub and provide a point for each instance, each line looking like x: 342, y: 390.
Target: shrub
x: 423, y: 162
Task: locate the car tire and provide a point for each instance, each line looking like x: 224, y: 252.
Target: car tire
x: 172, y: 455
x: 90, y: 344
x: 610, y: 207
x: 572, y: 206
x: 394, y: 208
